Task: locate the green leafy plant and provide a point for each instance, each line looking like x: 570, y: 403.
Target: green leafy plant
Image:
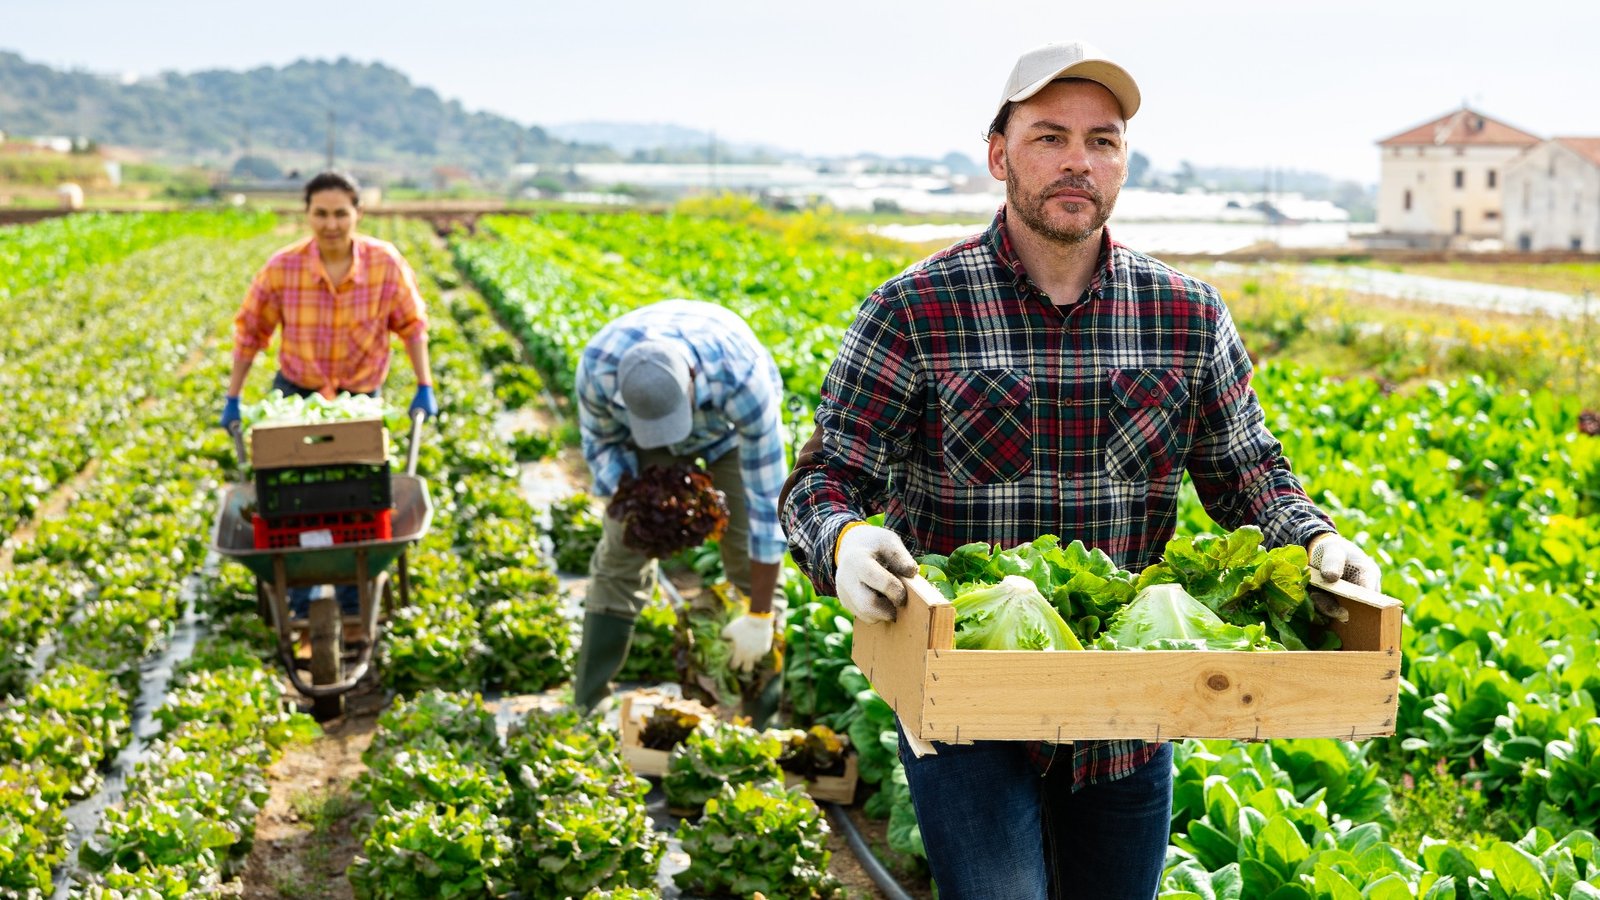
x: 575, y: 530
x: 418, y: 852
x: 529, y: 644
x: 429, y: 776
x: 758, y: 837
x: 1010, y: 615
x: 715, y: 754
x: 1165, y: 617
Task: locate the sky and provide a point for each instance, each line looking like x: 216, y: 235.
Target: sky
x: 1262, y: 84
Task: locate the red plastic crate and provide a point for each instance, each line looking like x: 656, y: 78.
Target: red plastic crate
x: 282, y: 532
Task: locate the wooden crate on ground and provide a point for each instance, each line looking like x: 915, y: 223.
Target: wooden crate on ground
x: 321, y: 443
x: 832, y: 788
x: 958, y: 696
x: 635, y: 709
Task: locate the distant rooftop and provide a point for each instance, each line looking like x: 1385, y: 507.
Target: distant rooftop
x: 1586, y: 147
x: 1463, y: 126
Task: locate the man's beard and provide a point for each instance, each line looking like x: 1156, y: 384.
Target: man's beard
x: 1032, y: 212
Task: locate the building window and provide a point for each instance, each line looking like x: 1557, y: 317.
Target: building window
x: 1458, y: 221
x: 1577, y: 243
x: 1492, y: 179
x: 1461, y: 178
x: 1408, y: 199
x: 1491, y: 215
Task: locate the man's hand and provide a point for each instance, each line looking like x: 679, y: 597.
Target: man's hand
x: 230, y: 412
x: 871, y: 562
x: 425, y: 401
x: 750, y: 636
x: 1337, y: 558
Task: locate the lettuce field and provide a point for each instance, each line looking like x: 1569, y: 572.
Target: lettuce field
x: 144, y: 714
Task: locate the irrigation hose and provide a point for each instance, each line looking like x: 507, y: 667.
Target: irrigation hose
x: 869, y: 861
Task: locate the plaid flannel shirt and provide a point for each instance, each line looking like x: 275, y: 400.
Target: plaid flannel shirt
x: 966, y: 406
x: 335, y: 338
x: 738, y: 396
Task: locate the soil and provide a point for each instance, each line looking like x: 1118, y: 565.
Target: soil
x: 308, y: 832
x: 297, y: 858
x: 910, y: 873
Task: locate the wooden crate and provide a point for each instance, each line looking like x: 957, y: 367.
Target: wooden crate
x: 635, y: 709
x: 834, y: 788
x: 957, y: 696
x: 322, y: 443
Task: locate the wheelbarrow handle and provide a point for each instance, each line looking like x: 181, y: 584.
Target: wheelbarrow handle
x: 236, y: 431
x: 415, y: 442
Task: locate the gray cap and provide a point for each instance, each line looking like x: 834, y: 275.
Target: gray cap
x: 653, y: 383
x: 1042, y: 65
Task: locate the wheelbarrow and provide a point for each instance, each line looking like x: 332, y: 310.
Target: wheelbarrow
x: 335, y: 669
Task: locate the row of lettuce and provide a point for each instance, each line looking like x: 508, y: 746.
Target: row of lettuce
x: 90, y: 598
x: 1482, y: 504
x: 80, y: 355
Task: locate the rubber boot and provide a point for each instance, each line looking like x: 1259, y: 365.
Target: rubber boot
x: 600, y: 657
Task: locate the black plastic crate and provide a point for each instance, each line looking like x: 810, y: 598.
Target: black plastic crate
x: 345, y: 487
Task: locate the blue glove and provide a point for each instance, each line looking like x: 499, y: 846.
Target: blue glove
x: 230, y: 412
x: 425, y: 401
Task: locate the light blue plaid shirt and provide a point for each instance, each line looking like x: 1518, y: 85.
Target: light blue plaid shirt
x: 738, y: 397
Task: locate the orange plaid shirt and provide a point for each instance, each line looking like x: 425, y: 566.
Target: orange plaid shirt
x: 335, y: 338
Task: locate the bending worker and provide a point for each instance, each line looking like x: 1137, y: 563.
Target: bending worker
x: 666, y: 384
x: 338, y: 295
x: 1041, y: 378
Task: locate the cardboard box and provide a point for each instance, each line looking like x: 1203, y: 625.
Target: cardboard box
x: 957, y: 696
x: 323, y: 443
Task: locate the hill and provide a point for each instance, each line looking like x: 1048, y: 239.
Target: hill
x: 211, y: 117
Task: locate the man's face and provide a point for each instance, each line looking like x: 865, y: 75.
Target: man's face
x: 1063, y: 159
x: 332, y: 216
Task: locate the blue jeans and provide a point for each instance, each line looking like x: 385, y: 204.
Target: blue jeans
x: 995, y: 829
x: 348, y: 595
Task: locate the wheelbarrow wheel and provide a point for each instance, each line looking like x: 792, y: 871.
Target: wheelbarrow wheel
x: 327, y: 652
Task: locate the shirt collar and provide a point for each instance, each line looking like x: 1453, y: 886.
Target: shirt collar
x: 1005, y: 252
x: 357, y: 266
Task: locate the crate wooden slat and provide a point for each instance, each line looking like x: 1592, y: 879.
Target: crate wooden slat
x: 832, y: 788
x: 957, y: 696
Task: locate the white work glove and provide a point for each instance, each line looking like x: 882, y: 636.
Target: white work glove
x: 871, y: 562
x: 750, y: 636
x: 1337, y: 558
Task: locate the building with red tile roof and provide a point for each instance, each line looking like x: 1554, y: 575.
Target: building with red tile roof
x: 1441, y: 181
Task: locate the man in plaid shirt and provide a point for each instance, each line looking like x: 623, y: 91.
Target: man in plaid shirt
x: 670, y: 383
x: 1040, y: 378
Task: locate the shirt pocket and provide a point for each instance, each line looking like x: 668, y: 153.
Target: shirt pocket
x: 987, y: 425
x: 1146, y: 414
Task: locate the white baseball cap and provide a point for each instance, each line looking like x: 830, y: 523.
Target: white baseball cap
x: 653, y: 383
x: 1076, y: 59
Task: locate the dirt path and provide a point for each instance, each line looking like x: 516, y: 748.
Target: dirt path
x: 305, y: 837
